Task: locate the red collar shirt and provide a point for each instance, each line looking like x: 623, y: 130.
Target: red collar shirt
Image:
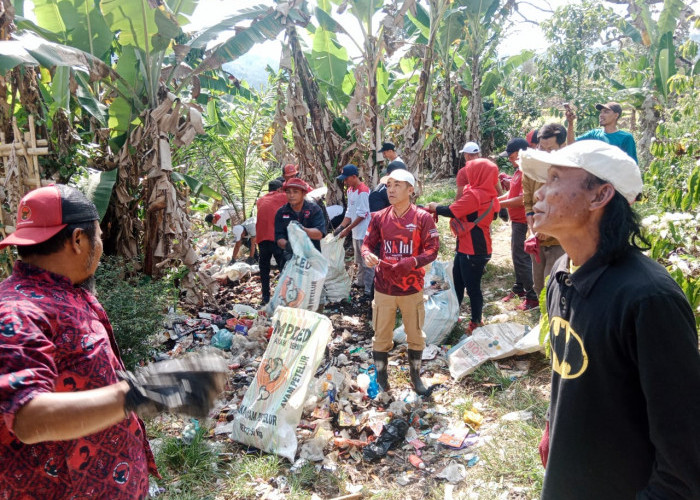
x: 55, y: 337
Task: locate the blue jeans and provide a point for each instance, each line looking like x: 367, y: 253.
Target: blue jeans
x: 466, y: 273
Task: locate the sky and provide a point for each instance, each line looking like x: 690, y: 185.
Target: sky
x: 523, y: 35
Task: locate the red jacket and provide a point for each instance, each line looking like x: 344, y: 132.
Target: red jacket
x: 268, y: 206
x: 477, y: 197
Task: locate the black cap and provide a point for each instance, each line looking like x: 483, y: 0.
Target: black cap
x: 395, y: 165
x: 516, y: 144
x: 387, y: 146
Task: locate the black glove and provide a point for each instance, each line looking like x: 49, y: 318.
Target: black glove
x: 186, y: 386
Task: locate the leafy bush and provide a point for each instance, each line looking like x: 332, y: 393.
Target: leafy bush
x: 135, y: 305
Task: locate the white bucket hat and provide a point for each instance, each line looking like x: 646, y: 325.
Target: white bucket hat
x: 601, y: 159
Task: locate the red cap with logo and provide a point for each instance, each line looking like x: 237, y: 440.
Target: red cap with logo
x: 296, y: 182
x: 290, y: 169
x: 45, y: 211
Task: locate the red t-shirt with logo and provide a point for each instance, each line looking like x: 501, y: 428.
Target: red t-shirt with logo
x: 267, y: 209
x: 412, y: 235
x: 56, y: 338
x: 517, y: 214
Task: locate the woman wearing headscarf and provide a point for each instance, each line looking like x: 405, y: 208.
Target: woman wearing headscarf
x: 472, y: 215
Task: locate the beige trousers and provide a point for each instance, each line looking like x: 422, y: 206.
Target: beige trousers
x: 384, y: 319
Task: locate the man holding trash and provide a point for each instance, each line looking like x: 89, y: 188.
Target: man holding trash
x: 306, y: 212
x: 407, y: 240
x: 69, y: 426
x: 355, y: 222
x: 625, y: 412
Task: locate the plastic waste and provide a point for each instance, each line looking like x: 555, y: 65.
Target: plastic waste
x: 373, y: 388
x: 222, y: 339
x: 363, y: 382
x: 392, y: 435
x: 454, y: 472
x: 190, y: 431
x: 416, y: 461
x: 473, y: 418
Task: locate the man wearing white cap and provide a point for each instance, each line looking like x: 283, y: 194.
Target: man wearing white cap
x: 407, y: 240
x: 624, y: 413
x: 471, y: 151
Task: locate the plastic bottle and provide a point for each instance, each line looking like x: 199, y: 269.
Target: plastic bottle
x: 416, y: 461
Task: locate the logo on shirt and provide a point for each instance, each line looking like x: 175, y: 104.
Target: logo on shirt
x: 569, y: 357
x: 411, y: 227
x: 433, y: 233
x: 397, y: 247
x: 121, y: 473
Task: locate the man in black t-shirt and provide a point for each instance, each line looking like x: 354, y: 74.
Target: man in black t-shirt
x: 625, y: 408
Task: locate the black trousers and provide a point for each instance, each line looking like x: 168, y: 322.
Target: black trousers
x: 466, y: 273
x: 267, y: 250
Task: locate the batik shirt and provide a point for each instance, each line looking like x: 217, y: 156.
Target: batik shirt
x: 55, y: 337
x: 412, y: 235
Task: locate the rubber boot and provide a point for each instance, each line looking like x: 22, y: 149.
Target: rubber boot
x: 414, y: 361
x: 381, y: 363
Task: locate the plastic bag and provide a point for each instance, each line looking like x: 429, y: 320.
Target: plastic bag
x: 301, y: 280
x: 268, y: 416
x: 441, y: 306
x: 222, y: 339
x: 337, y: 285
x: 236, y: 271
x: 493, y: 341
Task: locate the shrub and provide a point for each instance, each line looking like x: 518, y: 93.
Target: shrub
x: 135, y: 305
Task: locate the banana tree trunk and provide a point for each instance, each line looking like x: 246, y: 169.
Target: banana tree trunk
x: 318, y: 148
x: 475, y: 106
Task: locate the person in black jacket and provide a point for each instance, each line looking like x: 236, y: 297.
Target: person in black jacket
x: 624, y: 416
x: 306, y: 212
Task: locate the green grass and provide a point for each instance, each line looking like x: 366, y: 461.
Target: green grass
x: 439, y: 193
x: 246, y: 470
x: 191, y: 466
x: 512, y: 456
x: 521, y: 397
x: 489, y: 373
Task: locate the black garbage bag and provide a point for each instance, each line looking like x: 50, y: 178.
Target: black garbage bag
x: 392, y: 435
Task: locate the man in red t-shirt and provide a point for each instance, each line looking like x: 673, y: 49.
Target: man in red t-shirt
x: 408, y: 240
x: 267, y: 207
x: 513, y: 201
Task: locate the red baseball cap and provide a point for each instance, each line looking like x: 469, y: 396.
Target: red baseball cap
x: 290, y: 169
x: 296, y: 182
x: 45, y: 211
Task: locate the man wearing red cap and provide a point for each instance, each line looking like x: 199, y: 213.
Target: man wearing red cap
x: 66, y: 431
x: 307, y: 213
x: 609, y: 115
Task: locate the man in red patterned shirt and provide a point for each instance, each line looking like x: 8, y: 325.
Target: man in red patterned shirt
x: 67, y: 429
x: 407, y: 240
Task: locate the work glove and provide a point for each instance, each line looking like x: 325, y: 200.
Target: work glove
x: 532, y: 246
x: 186, y: 386
x: 404, y: 266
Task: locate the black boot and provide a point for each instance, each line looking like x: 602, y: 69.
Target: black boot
x: 414, y: 362
x: 381, y: 363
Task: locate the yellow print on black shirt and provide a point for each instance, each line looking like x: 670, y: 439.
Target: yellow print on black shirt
x: 569, y: 357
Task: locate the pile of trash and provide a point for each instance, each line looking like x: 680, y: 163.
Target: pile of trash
x: 216, y: 258
x: 302, y: 385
